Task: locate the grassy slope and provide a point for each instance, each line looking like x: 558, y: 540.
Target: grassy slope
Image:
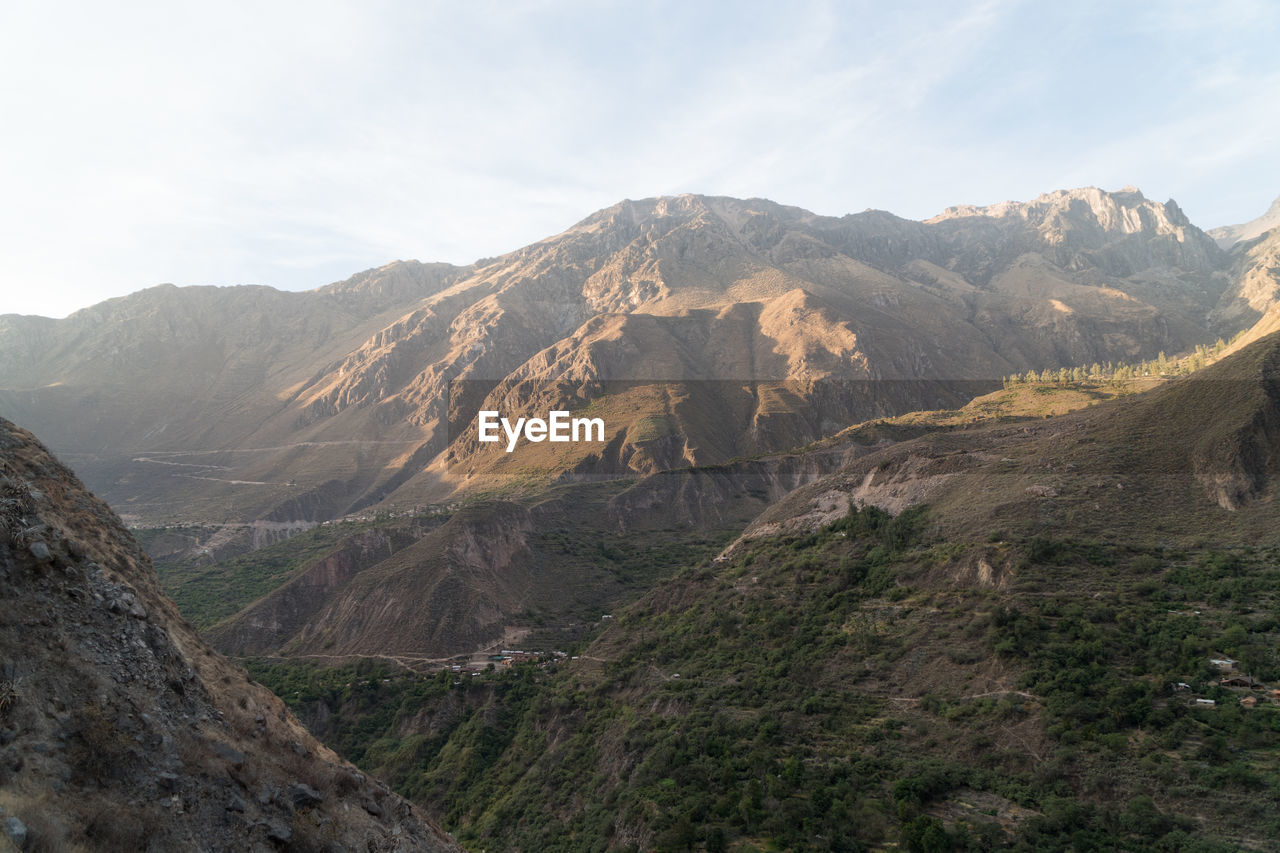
x: 871, y: 684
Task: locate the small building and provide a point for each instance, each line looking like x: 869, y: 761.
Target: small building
x: 1248, y: 701
x: 1239, y: 681
x: 1223, y: 663
x: 1204, y: 703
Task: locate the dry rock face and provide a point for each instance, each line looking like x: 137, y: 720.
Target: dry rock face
x: 120, y: 729
x: 451, y: 590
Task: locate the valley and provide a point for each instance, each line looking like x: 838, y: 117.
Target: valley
x: 955, y: 534
x: 661, y: 427
x: 1000, y: 673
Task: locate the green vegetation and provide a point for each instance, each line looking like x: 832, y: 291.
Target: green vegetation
x: 650, y: 427
x: 840, y: 691
x: 1160, y: 366
x: 581, y: 569
x: 595, y: 570
x: 207, y: 594
x: 372, y: 696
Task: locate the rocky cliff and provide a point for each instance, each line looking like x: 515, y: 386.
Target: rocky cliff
x: 120, y: 729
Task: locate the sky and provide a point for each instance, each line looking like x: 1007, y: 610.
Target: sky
x: 295, y: 144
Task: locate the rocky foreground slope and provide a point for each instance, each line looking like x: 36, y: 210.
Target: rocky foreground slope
x: 120, y: 729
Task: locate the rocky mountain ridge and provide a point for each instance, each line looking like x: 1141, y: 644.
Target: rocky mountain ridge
x: 247, y: 404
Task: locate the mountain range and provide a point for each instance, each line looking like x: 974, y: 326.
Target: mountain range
x: 248, y: 404
x: 892, y: 540
x: 713, y: 336
x: 995, y: 630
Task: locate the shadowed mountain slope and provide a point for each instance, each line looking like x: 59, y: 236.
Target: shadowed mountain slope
x: 122, y: 729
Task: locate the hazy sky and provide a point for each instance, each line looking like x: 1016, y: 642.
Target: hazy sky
x: 293, y: 144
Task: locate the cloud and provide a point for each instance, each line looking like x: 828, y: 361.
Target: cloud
x: 294, y: 144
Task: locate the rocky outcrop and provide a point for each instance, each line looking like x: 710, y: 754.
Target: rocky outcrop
x: 120, y: 729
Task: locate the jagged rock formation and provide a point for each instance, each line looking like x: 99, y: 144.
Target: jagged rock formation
x: 245, y: 403
x: 120, y: 729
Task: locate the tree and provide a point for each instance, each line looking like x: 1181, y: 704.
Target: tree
x: 925, y: 834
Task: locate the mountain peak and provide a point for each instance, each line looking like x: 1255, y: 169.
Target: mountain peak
x: 1102, y: 203
x: 1229, y: 235
x: 1089, y: 218
x: 686, y: 206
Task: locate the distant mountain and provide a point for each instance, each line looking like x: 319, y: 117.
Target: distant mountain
x: 1229, y: 235
x: 1255, y: 299
x: 767, y: 326
x: 121, y: 728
